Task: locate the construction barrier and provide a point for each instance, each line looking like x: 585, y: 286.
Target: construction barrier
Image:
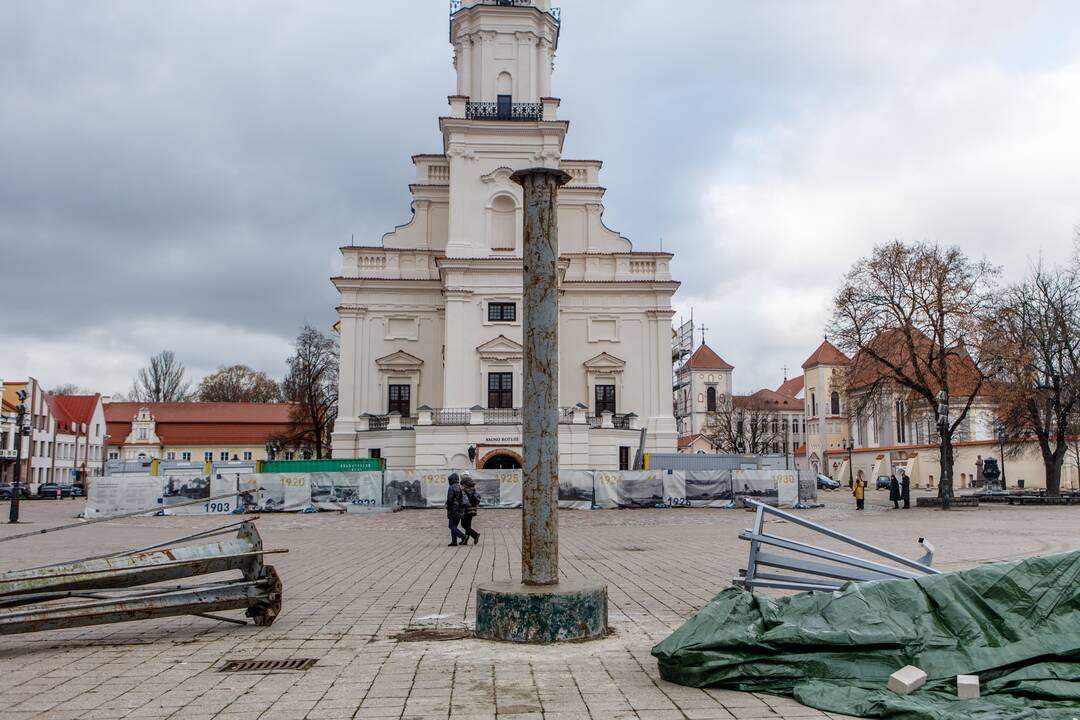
x: 228, y: 492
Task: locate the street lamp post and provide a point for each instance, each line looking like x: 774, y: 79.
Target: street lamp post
x: 1002, y: 436
x: 850, y: 472
x: 20, y: 432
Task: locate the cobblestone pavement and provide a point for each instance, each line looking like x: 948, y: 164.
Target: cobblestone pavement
x: 353, y: 582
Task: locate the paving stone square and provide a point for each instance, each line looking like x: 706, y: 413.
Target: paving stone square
x: 355, y: 582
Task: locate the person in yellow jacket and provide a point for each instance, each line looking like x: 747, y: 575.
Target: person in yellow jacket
x: 859, y: 491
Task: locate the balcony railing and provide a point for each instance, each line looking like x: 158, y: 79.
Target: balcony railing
x: 502, y: 416
x: 503, y: 111
x: 619, y: 422
x: 450, y: 416
x: 379, y: 422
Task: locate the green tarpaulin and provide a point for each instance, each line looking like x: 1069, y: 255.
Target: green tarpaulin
x: 1016, y: 625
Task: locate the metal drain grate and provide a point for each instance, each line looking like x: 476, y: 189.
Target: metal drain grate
x: 265, y: 665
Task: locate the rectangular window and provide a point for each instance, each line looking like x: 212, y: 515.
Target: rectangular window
x: 247, y: 454
x: 207, y: 456
x: 290, y: 455
x: 224, y: 456
x: 624, y: 457
x: 375, y: 453
x: 170, y: 456
x: 502, y: 312
x: 500, y: 390
x: 185, y: 456
x: 116, y: 456
x: 399, y: 399
x: 605, y: 399
x: 142, y: 433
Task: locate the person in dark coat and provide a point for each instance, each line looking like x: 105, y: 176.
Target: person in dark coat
x: 455, y: 509
x: 472, y: 502
x: 894, y: 492
x: 905, y: 490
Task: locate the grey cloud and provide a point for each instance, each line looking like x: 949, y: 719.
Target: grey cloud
x: 198, y: 164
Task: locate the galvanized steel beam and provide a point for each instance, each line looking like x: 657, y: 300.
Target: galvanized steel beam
x: 100, y: 579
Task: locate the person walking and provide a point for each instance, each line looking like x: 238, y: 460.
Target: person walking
x: 859, y: 491
x: 455, y: 509
x: 472, y: 502
x: 894, y: 492
x: 905, y: 491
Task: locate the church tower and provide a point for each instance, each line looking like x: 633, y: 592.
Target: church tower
x: 431, y: 317
x: 501, y: 119
x: 503, y: 51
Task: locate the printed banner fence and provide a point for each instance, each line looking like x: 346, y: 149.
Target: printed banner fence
x: 228, y: 492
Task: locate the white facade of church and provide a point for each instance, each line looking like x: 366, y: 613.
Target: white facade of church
x: 430, y: 321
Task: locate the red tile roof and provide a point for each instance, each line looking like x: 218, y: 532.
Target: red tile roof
x: 791, y: 387
x: 705, y: 359
x: 70, y: 410
x: 826, y: 354
x: 768, y: 400
x: 202, y: 423
x: 892, y: 345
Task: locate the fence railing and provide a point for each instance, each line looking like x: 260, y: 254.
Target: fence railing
x: 450, y: 416
x: 503, y: 111
x: 502, y: 416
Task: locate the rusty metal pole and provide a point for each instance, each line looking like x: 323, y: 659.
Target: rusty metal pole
x: 540, y: 423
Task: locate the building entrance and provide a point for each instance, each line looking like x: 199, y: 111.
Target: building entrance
x: 502, y: 462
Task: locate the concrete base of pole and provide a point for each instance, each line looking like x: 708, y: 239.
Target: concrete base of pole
x: 513, y: 612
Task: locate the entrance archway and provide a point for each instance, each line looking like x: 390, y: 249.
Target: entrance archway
x: 501, y: 460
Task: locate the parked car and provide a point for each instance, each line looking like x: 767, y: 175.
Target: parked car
x: 48, y: 490
x: 824, y: 482
x: 883, y: 482
x: 5, y: 491
x: 78, y: 490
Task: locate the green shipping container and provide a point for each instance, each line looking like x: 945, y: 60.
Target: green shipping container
x: 326, y: 465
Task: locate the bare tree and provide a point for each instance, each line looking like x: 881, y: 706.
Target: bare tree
x: 164, y: 380
x: 1035, y: 338
x: 312, y: 383
x: 69, y: 389
x: 911, y: 317
x: 742, y: 425
x: 238, y: 383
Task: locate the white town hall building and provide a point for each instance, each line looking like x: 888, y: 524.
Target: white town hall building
x: 430, y: 321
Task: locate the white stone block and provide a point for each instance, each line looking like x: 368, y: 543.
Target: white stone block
x: 907, y: 680
x: 967, y: 686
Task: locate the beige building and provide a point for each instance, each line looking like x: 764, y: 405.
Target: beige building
x: 431, y: 318
x: 851, y: 437
x: 197, y: 432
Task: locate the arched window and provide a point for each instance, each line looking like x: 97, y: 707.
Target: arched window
x: 503, y: 223
x: 710, y: 399
x: 834, y: 403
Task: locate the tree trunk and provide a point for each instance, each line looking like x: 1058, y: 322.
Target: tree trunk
x: 1054, y: 463
x: 945, y: 487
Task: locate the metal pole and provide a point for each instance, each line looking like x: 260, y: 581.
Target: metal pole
x: 20, y: 417
x: 1004, y: 482
x: 540, y: 423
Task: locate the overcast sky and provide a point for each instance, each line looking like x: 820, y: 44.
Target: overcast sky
x: 180, y: 174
